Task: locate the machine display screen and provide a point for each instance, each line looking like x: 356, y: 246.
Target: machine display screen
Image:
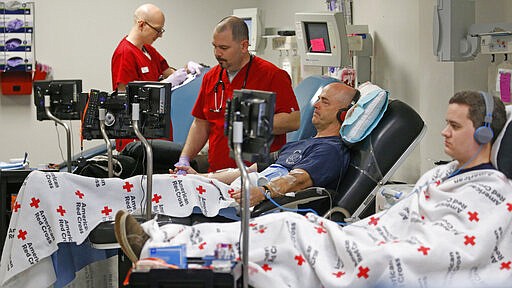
x: 64, y: 98
x: 154, y: 100
x: 317, y: 37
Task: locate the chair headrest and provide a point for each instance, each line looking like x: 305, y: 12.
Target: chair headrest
x: 365, y: 114
x: 501, y: 153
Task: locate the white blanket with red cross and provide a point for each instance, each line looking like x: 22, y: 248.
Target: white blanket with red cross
x: 452, y: 233
x: 52, y: 208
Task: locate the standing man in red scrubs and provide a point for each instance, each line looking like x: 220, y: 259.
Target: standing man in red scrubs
x: 237, y: 69
x: 136, y: 60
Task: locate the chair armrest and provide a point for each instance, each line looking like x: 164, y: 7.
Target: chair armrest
x: 291, y: 200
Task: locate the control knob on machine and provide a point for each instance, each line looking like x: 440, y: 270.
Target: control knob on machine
x: 110, y: 119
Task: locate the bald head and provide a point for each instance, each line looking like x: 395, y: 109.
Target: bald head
x: 334, y: 97
x: 341, y: 93
x: 150, y: 13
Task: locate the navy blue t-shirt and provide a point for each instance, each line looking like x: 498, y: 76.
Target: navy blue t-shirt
x: 477, y: 167
x: 324, y: 158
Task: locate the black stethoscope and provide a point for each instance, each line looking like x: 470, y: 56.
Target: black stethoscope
x: 218, y: 107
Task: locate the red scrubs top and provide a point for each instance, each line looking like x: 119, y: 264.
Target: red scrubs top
x: 263, y: 75
x: 129, y: 64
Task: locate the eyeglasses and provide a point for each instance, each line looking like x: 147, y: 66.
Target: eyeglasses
x: 158, y: 31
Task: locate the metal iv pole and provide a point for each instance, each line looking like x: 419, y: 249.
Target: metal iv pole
x: 149, y: 158
x: 60, y: 122
x: 101, y: 112
x: 237, y: 143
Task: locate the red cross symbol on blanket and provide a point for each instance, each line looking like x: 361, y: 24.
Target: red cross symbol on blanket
x: 509, y: 205
x: 61, y: 210
x: 338, y: 274
x: 202, y: 245
x: 423, y: 250
x: 106, y: 210
x: 128, y: 186
x: 201, y: 190
x: 473, y: 216
x: 300, y: 260
x: 79, y: 194
x: 16, y: 206
x: 35, y: 202
x: 469, y: 240
x: 363, y: 272
x: 22, y: 234
x: 505, y: 265
x: 320, y: 230
x: 156, y: 198
x: 266, y: 267
x: 374, y: 221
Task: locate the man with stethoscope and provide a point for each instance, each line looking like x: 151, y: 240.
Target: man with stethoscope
x: 237, y: 69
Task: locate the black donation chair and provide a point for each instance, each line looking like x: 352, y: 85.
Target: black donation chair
x: 373, y: 161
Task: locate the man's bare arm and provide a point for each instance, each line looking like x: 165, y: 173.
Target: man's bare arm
x: 286, y: 122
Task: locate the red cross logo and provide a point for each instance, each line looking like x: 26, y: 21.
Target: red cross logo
x: 473, y: 216
x: 470, y: 240
x: 61, y: 210
x: 22, y: 234
x: 128, y: 186
x: 427, y: 196
x: 505, y: 265
x: 338, y: 274
x: 423, y: 250
x: 252, y: 224
x: 262, y: 229
x: 106, y: 210
x: 16, y: 206
x: 35, y: 202
x: 266, y: 267
x: 299, y: 259
x: 373, y: 221
x: 201, y: 190
x: 79, y: 194
x: 363, y: 272
x: 438, y: 182
x: 320, y: 230
x: 509, y: 205
x: 201, y: 246
x: 156, y: 198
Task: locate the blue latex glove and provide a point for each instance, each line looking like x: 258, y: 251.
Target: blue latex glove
x: 184, y: 161
x: 177, y: 77
x: 194, y: 68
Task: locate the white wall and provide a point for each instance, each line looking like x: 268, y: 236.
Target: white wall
x: 77, y: 39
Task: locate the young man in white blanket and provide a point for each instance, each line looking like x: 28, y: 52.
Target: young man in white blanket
x: 455, y: 229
